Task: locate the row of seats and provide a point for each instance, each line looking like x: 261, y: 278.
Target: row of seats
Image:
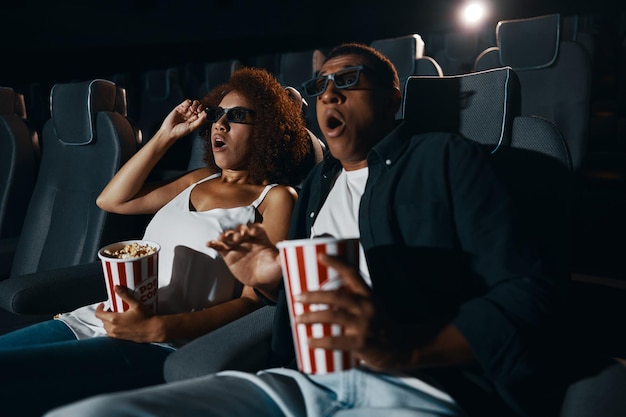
x: 554, y: 67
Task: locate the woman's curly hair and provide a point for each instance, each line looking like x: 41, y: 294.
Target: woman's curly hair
x: 280, y: 138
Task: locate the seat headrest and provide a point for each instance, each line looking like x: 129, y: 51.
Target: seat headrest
x: 19, y: 107
x: 73, y: 108
x: 531, y: 43
x: 121, y: 101
x: 298, y: 67
x: 7, y: 101
x: 459, y: 47
x: 157, y: 83
x: 295, y: 95
x: 479, y: 105
x: 217, y: 73
x: 428, y: 66
x: 402, y: 51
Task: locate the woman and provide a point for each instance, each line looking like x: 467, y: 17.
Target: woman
x: 255, y: 138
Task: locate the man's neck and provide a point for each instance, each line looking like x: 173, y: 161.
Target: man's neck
x: 354, y: 165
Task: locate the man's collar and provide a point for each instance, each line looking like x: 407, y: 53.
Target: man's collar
x: 392, y: 146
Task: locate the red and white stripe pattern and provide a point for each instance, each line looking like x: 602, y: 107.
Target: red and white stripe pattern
x: 139, y: 275
x: 303, y: 273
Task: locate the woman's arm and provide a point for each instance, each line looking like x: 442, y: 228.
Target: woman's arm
x: 127, y: 192
x: 141, y: 326
x: 276, y: 210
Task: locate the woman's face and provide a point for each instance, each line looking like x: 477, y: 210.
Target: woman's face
x: 231, y: 142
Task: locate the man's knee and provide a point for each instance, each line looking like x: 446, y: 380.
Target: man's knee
x: 99, y: 406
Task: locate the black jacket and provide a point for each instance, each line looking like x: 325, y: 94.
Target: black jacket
x: 440, y: 243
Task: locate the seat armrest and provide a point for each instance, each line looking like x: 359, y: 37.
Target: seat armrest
x: 53, y: 291
x: 242, y: 345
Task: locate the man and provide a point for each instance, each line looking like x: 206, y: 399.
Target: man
x: 449, y: 313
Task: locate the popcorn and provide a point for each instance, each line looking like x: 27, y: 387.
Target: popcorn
x: 130, y: 251
x: 133, y: 264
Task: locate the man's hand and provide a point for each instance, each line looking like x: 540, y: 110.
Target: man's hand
x: 380, y: 342
x: 251, y: 257
x: 137, y: 324
x: 367, y: 332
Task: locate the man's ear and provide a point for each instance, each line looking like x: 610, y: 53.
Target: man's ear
x: 395, y: 100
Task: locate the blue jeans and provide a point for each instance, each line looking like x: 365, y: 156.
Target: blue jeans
x: 273, y: 393
x: 43, y: 366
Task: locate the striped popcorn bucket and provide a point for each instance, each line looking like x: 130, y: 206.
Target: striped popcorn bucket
x: 137, y: 272
x: 301, y: 273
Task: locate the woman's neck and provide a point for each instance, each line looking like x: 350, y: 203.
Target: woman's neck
x: 236, y: 176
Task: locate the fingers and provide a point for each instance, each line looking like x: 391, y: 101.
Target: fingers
x: 334, y: 342
x: 227, y: 240
x: 192, y: 106
x: 349, y: 274
x: 192, y: 111
x: 345, y: 307
x: 103, y: 314
x: 341, y: 317
x: 234, y: 237
x: 126, y: 295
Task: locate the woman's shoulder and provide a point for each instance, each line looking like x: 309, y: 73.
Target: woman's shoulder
x: 281, y: 194
x: 282, y: 191
x: 199, y: 174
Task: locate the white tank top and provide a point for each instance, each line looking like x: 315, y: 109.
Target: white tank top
x: 191, y: 275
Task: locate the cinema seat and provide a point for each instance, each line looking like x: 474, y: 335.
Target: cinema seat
x: 85, y: 142
x: 555, y: 75
x: 18, y: 164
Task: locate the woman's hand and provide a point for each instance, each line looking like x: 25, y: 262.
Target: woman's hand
x: 251, y: 257
x: 128, y: 192
x: 137, y: 324
x: 184, y: 119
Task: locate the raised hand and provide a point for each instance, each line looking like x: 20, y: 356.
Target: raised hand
x: 251, y: 257
x: 184, y: 118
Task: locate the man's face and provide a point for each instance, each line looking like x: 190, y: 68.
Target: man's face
x: 353, y: 119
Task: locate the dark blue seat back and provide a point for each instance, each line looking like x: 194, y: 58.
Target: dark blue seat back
x: 85, y: 142
x: 555, y: 75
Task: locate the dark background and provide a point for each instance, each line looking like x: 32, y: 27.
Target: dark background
x: 54, y: 41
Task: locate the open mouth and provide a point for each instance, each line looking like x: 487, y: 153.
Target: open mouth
x: 219, y: 143
x: 333, y: 123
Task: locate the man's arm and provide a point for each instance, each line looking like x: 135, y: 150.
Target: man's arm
x: 378, y: 341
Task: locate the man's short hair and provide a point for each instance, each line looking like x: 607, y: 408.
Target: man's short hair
x: 384, y: 70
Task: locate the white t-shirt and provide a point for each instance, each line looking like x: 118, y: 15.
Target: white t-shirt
x: 339, y: 215
x: 191, y: 275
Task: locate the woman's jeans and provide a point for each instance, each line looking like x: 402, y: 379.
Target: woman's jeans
x: 44, y: 365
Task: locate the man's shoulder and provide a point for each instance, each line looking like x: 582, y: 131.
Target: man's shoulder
x: 445, y: 143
